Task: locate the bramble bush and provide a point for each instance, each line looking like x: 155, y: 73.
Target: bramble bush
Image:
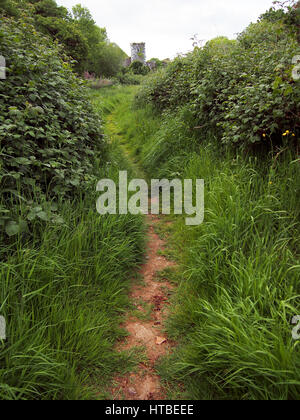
x: 242, y: 91
x: 49, y: 133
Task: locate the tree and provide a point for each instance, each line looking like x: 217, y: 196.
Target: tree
x: 104, y: 58
x: 81, y: 39
x: 87, y: 26
x: 49, y: 8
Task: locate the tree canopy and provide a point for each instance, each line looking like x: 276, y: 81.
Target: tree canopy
x: 82, y: 40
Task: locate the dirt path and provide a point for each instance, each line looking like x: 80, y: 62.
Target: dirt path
x: 145, y: 383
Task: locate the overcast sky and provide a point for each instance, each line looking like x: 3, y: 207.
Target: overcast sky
x: 167, y: 25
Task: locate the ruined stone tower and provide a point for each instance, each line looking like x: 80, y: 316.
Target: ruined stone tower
x: 138, y: 52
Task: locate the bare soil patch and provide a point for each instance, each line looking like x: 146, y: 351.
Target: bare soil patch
x: 145, y: 384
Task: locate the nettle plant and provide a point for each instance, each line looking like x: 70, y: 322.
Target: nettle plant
x: 49, y: 133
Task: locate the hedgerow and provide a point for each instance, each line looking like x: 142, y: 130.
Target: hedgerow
x: 49, y: 133
x: 243, y: 91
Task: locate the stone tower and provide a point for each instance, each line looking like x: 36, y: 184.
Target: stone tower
x: 138, y: 52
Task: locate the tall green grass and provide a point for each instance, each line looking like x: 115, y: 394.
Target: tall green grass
x: 239, y: 271
x: 240, y: 283
x: 108, y: 99
x: 63, y: 291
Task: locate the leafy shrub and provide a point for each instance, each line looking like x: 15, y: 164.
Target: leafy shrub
x: 55, y: 22
x: 104, y: 58
x: 262, y: 98
x: 8, y: 7
x: 86, y: 45
x: 137, y: 67
x: 49, y: 133
x: 169, y: 87
x: 242, y: 91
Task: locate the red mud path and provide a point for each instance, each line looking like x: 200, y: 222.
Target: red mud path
x: 144, y: 384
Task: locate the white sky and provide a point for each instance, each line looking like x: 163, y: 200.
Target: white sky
x: 167, y: 25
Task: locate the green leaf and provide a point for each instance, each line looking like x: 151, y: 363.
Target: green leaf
x: 22, y: 161
x: 31, y: 216
x: 12, y: 228
x: 43, y: 216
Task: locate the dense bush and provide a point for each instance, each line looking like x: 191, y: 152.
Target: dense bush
x: 8, y: 7
x: 104, y: 58
x: 86, y: 45
x: 49, y: 134
x: 137, y: 67
x: 53, y: 21
x: 242, y: 90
